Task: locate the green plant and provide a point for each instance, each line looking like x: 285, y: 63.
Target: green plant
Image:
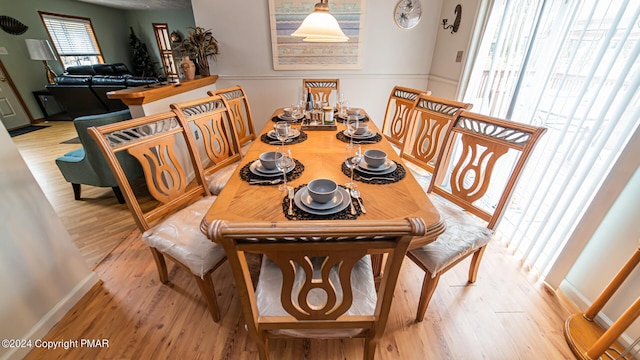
x: 200, y: 44
x: 142, y: 63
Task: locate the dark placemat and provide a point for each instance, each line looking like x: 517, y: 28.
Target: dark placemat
x: 395, y: 176
x: 276, y: 119
x: 341, y: 119
x: 298, y: 139
x: 299, y: 214
x: 247, y: 175
x: 344, y: 138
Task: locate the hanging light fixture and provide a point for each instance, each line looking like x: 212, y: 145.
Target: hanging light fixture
x: 320, y: 26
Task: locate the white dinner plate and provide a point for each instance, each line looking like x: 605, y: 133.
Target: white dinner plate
x: 289, y: 118
x: 257, y: 169
x: 306, y: 199
x: 367, y: 135
x: 344, y: 117
x: 391, y: 169
x: 293, y: 133
x: 346, y: 200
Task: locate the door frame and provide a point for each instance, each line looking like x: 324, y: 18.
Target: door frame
x: 17, y: 93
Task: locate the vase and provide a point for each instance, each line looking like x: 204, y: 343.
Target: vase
x: 188, y: 68
x: 203, y: 66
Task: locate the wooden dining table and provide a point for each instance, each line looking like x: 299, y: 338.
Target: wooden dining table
x: 322, y: 155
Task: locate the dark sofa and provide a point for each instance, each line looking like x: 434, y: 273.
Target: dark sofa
x: 82, y: 90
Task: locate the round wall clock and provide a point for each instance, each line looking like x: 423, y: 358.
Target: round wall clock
x: 407, y: 13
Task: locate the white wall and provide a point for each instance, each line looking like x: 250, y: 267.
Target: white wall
x: 42, y: 274
x: 391, y: 56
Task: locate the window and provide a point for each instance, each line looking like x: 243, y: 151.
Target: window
x: 166, y: 50
x: 74, y: 39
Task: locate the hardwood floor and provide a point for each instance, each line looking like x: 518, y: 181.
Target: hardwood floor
x: 96, y: 223
x: 504, y: 315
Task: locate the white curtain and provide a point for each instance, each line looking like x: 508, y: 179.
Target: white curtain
x: 573, y: 67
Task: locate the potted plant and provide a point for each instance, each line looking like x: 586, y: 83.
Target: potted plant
x: 199, y: 45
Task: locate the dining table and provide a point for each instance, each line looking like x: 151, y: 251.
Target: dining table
x: 321, y: 154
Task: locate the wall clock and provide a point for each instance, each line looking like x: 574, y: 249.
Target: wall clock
x: 407, y: 13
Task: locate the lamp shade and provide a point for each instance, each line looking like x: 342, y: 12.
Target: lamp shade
x: 40, y: 49
x: 320, y: 26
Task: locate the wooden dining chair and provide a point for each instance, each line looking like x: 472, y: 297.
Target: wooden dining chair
x: 212, y: 130
x: 238, y: 105
x: 316, y: 278
x: 321, y: 89
x: 473, y: 180
x: 169, y: 209
x: 430, y: 118
x: 396, y: 118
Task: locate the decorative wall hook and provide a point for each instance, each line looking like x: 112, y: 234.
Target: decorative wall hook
x: 456, y: 22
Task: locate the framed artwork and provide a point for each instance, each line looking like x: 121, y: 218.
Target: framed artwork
x: 291, y: 53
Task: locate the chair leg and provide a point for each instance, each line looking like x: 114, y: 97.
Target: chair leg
x: 475, y: 264
x: 369, y: 348
x: 76, y: 191
x: 428, y: 288
x: 209, y: 293
x: 161, y: 265
x: 263, y: 349
x: 116, y: 190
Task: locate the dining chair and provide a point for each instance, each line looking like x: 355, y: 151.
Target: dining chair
x: 473, y: 181
x: 212, y: 131
x: 396, y: 118
x: 316, y: 278
x: 321, y: 89
x: 168, y: 210
x: 238, y: 105
x: 430, y: 118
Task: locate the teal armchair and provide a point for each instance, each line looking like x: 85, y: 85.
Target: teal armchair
x: 87, y: 165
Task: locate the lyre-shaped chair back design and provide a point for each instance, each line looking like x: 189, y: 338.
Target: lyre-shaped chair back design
x: 238, y: 105
x: 316, y: 278
x: 321, y: 89
x: 211, y: 129
x: 169, y: 209
x: 430, y: 118
x: 396, y: 118
x: 473, y: 180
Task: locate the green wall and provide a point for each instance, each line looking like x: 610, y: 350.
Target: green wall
x: 111, y: 27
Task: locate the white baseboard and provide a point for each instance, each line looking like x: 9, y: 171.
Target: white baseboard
x: 44, y: 325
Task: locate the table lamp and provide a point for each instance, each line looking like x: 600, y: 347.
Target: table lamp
x: 41, y: 50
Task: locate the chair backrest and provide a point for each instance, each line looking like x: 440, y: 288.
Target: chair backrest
x: 396, y: 117
x: 173, y: 175
x: 321, y: 89
x: 430, y: 119
x: 305, y: 252
x: 210, y: 127
x: 238, y: 105
x: 93, y: 153
x: 481, y: 162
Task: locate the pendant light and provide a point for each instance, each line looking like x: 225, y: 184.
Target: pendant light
x: 320, y: 26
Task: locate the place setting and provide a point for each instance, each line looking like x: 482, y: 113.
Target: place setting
x: 271, y: 168
x: 358, y: 133
x: 372, y: 167
x: 343, y: 116
x: 282, y: 134
x: 292, y: 114
x: 320, y: 199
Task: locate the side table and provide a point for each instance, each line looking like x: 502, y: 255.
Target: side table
x: 44, y: 99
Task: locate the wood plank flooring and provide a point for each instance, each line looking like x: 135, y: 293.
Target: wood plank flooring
x: 506, y: 314
x: 97, y: 222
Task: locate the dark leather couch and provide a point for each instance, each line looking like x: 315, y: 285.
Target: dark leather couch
x: 82, y: 90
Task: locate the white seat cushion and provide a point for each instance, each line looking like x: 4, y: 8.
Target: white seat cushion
x: 422, y: 175
x: 464, y: 234
x: 180, y: 237
x: 220, y: 178
x: 245, y: 148
x: 270, y: 285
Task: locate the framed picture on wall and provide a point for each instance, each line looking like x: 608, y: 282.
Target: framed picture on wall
x: 291, y: 53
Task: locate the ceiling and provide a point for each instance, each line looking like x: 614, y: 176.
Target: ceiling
x: 142, y: 4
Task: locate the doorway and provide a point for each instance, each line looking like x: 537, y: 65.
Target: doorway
x: 13, y: 111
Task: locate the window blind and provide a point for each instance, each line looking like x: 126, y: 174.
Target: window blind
x: 72, y: 36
